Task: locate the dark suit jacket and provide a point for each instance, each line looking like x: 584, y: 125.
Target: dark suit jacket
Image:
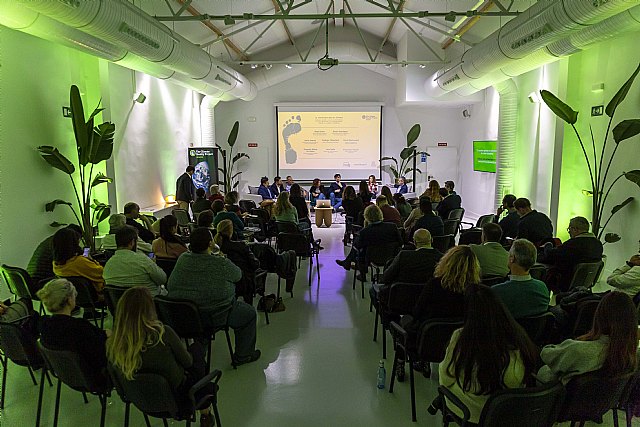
x: 433, y: 223
x: 449, y: 203
x: 334, y: 186
x: 582, y: 248
x: 377, y: 233
x: 535, y: 227
x: 143, y: 233
x: 509, y: 225
x: 185, y: 189
x: 276, y: 190
x: 265, y: 192
x: 413, y: 266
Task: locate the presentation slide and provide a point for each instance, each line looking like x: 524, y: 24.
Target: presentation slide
x: 484, y: 156
x: 320, y: 142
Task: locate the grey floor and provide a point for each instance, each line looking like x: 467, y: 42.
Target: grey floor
x: 318, y: 367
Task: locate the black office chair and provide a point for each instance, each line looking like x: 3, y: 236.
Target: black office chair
x: 585, y: 274
x: 432, y: 342
x: 589, y: 396
x: 522, y: 407
x: 247, y: 205
x: 182, y: 216
x: 76, y: 373
x: 451, y: 226
x: 18, y: 281
x: 19, y: 346
x: 443, y: 243
x: 482, y: 220
x: 538, y: 271
x: 287, y: 227
x: 260, y: 282
x: 166, y: 264
x: 456, y: 214
x: 112, y: 295
x: 300, y: 244
x: 88, y: 298
x: 585, y: 312
x: 153, y: 396
x: 629, y: 400
x: 538, y: 327
x: 183, y: 316
x: 377, y: 256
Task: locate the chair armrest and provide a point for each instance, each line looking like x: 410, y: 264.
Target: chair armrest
x: 261, y: 273
x: 445, y: 392
x: 470, y: 223
x: 211, y: 378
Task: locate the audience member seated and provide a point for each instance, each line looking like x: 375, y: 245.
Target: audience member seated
x: 128, y: 268
x: 416, y: 213
x: 533, y: 225
x: 403, y: 207
x: 205, y: 219
x: 610, y: 345
x: 490, y: 353
x: 201, y: 203
x: 375, y: 232
x: 239, y: 253
x: 386, y: 191
x: 429, y: 220
x: 140, y: 343
x: 627, y: 277
x: 277, y: 187
x: 372, y: 186
x: 297, y: 200
x: 335, y: 192
x: 214, y: 193
x: 60, y: 331
x: 232, y: 213
x: 389, y: 213
x: 10, y: 311
x: 401, y: 187
x: 116, y: 222
x: 510, y: 221
x: 231, y: 198
x: 209, y: 281
x: 449, y: 186
x: 353, y: 205
x: 581, y: 247
x: 169, y: 244
x: 265, y: 191
x: 316, y: 191
x: 410, y: 266
x: 521, y: 294
x: 283, y: 210
x: 132, y: 212
x: 69, y: 262
x: 41, y: 263
x: 450, y: 201
x: 493, y: 258
x: 365, y: 194
x: 433, y: 192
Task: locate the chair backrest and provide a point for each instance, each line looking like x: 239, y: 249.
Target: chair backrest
x: 18, y: 344
x: 18, y: 281
x: 470, y: 236
x: 523, y: 407
x: 166, y: 264
x: 537, y: 327
x: 261, y: 213
x: 492, y: 280
x: 585, y: 274
x: 403, y: 296
x: 247, y: 205
x: 451, y: 226
x: 112, y: 295
x: 287, y: 227
x: 74, y: 371
x: 434, y: 337
x: 182, y: 216
x: 380, y: 254
x: 293, y: 242
x: 182, y: 315
x: 149, y: 392
x: 485, y: 219
x: 585, y: 311
x: 87, y: 295
x: 443, y: 243
x: 252, y: 189
x: 589, y: 396
x: 456, y: 214
x: 538, y: 271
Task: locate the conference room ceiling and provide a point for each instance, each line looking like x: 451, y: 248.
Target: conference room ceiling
x: 266, y: 40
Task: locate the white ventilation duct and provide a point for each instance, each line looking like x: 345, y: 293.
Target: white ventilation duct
x: 122, y: 24
x: 542, y: 24
x: 507, y: 131
x: 207, y: 122
x: 343, y: 51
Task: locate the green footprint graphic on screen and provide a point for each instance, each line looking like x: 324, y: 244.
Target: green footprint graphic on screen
x: 291, y: 127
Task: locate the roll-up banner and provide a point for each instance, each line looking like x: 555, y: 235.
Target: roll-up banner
x: 205, y: 161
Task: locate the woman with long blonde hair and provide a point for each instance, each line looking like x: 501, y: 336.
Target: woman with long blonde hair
x: 141, y: 343
x: 283, y: 210
x: 433, y: 192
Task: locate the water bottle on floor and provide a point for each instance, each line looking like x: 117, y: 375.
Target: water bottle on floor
x: 382, y: 374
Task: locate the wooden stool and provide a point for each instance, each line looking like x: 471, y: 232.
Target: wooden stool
x: 324, y: 215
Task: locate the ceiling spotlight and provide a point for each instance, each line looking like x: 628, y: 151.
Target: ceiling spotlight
x: 267, y: 66
x: 140, y: 98
x: 288, y: 66
x: 404, y: 65
x: 450, y: 17
x: 228, y: 20
x: 254, y: 66
x: 387, y: 65
x: 422, y: 66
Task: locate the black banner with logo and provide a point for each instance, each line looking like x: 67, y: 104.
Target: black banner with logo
x: 205, y: 161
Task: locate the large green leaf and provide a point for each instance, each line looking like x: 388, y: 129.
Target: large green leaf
x: 102, y: 212
x: 84, y: 152
x: 238, y: 156
x: 559, y: 108
x: 633, y: 176
x: 102, y: 146
x: 616, y: 208
x: 394, y: 171
x: 56, y: 159
x: 621, y: 94
x: 611, y: 238
x: 79, y: 125
x: 236, y: 174
x: 626, y: 129
x: 413, y: 134
x: 407, y: 152
x: 49, y: 207
x: 233, y: 135
x: 235, y: 184
x: 100, y: 179
x: 57, y: 224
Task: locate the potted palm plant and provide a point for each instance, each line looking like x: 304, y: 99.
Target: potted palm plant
x: 229, y: 160
x: 407, y: 156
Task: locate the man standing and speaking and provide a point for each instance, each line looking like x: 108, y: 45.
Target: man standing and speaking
x: 185, y: 189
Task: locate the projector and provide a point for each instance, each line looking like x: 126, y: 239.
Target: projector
x: 328, y: 62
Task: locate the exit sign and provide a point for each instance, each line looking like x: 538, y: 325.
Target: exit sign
x: 442, y: 144
x: 252, y: 145
x: 597, y: 110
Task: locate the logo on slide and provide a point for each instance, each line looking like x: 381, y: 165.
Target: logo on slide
x: 290, y: 127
